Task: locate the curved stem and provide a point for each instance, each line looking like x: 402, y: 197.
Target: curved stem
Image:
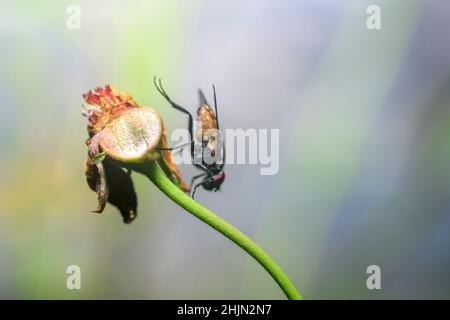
x: 157, y: 176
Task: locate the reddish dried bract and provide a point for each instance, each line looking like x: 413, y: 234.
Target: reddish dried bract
x: 172, y: 171
x: 105, y: 105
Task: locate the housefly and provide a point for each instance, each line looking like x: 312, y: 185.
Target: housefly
x: 207, y: 147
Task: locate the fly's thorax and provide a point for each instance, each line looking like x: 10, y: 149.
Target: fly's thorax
x: 211, y: 138
x: 211, y: 148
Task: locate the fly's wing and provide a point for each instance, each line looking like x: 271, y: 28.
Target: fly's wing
x: 201, y: 98
x: 207, y: 134
x: 198, y: 136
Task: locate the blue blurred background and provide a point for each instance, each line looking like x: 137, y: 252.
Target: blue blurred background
x: 364, y: 123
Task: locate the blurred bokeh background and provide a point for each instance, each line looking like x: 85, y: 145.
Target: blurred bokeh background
x: 364, y: 123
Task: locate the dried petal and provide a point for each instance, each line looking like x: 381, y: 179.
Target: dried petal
x: 112, y: 184
x: 97, y: 181
x: 121, y: 191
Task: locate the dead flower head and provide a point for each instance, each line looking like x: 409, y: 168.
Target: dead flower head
x: 122, y: 131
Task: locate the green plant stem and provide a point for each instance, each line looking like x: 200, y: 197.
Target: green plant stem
x: 157, y: 176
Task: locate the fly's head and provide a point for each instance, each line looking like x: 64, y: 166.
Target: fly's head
x: 215, y: 182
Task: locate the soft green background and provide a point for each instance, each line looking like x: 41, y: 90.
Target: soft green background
x: 364, y: 157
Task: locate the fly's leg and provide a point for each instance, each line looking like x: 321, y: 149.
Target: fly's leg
x: 181, y: 146
x: 204, y: 168
x: 193, y: 190
x: 161, y: 90
x: 195, y: 178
